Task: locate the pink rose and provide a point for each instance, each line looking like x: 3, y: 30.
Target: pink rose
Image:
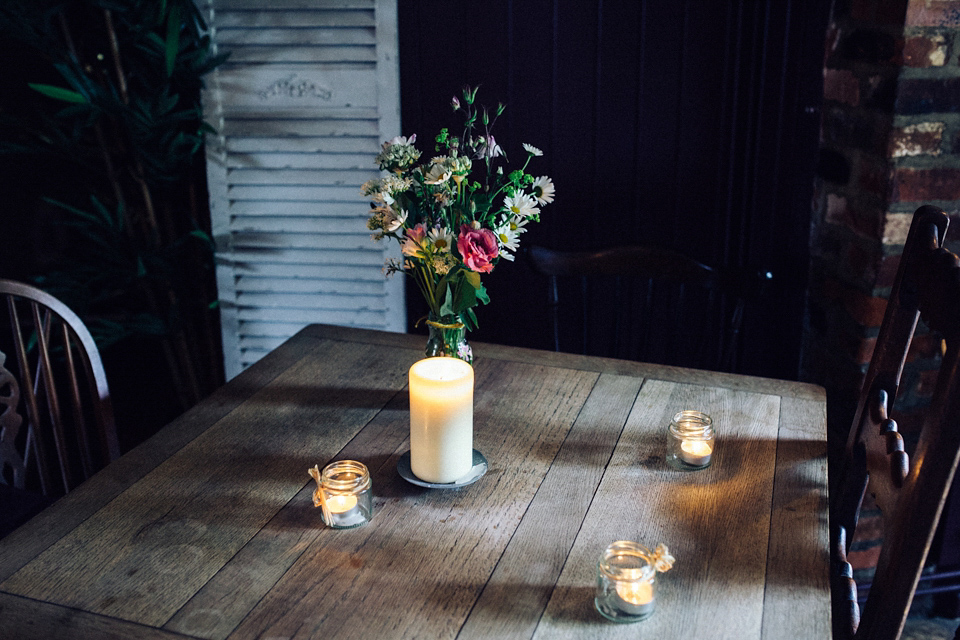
x: 478, y: 248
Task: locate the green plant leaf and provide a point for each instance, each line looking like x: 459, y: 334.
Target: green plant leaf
x: 173, y: 38
x: 58, y: 93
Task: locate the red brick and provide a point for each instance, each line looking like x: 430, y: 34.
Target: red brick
x: 922, y: 185
x: 924, y: 346
x: 927, y: 383
x: 865, y: 559
x: 923, y: 138
x: 865, y: 310
x: 887, y: 271
x: 866, y: 220
x: 865, y: 350
x: 933, y: 13
x: 874, y: 178
x: 925, y: 51
x: 869, y: 528
x: 878, y: 11
x: 860, y: 263
x: 842, y: 86
x: 836, y: 209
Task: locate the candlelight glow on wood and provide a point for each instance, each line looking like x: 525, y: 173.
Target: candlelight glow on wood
x: 441, y: 419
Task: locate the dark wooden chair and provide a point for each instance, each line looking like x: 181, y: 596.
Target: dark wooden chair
x: 646, y: 303
x: 910, y: 492
x: 57, y: 425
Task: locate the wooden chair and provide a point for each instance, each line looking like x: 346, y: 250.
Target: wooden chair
x: 909, y: 492
x: 648, y: 303
x: 51, y: 373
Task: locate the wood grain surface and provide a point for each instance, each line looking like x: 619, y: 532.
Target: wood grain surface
x: 209, y: 530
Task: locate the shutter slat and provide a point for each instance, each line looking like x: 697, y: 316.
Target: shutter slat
x: 301, y: 107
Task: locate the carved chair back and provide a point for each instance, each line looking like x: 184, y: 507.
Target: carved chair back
x: 909, y: 491
x: 57, y: 424
x: 656, y: 304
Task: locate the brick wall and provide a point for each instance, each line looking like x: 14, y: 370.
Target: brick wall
x: 890, y: 141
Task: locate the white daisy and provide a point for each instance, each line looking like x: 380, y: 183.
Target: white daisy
x: 532, y: 150
x: 509, y: 239
x: 441, y: 238
x: 438, y: 174
x: 518, y: 224
x: 543, y: 190
x: 521, y: 204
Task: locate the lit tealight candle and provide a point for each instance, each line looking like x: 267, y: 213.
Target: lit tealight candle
x: 341, y: 504
x: 696, y: 452
x: 441, y: 419
x: 635, y: 598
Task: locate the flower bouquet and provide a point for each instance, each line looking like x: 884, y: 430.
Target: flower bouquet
x: 455, y: 216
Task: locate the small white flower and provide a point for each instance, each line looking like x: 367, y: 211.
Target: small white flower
x: 532, y: 150
x: 438, y: 174
x: 521, y: 204
x: 393, y: 219
x: 518, y: 224
x: 400, y: 140
x: 509, y: 239
x: 441, y: 238
x: 543, y: 190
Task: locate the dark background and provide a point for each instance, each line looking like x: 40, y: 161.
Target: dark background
x: 690, y: 125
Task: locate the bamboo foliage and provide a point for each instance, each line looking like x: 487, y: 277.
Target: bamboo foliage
x: 117, y: 111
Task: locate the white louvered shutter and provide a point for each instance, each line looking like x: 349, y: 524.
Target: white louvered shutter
x: 310, y: 90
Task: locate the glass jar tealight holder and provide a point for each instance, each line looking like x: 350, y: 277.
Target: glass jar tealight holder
x: 690, y: 441
x: 343, y: 494
x: 625, y: 580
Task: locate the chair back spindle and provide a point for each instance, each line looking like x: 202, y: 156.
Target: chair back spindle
x: 910, y: 491
x: 57, y: 426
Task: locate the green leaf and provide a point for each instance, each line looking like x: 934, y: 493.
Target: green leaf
x: 58, y: 93
x: 473, y: 278
x: 173, y: 38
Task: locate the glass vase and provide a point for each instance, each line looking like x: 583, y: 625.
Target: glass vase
x: 447, y: 337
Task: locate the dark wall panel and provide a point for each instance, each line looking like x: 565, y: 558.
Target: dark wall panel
x: 691, y: 125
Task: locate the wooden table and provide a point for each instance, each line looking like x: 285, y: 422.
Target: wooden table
x: 208, y: 529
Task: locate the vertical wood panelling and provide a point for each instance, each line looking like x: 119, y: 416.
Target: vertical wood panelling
x: 301, y: 106
x: 686, y: 124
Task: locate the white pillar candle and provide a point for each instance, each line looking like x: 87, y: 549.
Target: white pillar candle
x: 441, y: 419
x: 696, y: 452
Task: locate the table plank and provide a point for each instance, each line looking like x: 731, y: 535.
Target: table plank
x: 514, y: 599
x: 26, y: 618
x: 416, y: 569
x: 715, y: 521
x: 793, y: 603
x: 24, y: 544
x: 154, y: 546
x: 222, y: 603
